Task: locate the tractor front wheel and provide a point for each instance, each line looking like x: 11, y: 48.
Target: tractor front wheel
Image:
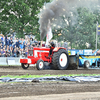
x: 60, y: 60
x: 25, y: 66
x: 40, y: 64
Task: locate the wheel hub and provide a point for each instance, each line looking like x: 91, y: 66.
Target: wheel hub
x: 26, y: 65
x: 63, y: 60
x: 87, y: 64
x: 41, y: 64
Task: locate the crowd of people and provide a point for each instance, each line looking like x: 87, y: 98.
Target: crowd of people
x: 14, y: 47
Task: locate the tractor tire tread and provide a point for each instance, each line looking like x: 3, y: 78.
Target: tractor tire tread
x: 55, y: 59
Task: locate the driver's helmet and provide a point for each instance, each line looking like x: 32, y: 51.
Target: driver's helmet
x: 52, y: 43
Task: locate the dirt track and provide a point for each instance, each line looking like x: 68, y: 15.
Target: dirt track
x: 17, y: 70
x: 44, y: 88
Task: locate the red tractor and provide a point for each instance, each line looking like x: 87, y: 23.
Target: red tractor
x: 59, y: 58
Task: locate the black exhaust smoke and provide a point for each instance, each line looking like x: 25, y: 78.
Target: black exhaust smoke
x: 57, y: 8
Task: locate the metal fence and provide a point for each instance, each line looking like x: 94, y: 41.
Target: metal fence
x: 10, y: 61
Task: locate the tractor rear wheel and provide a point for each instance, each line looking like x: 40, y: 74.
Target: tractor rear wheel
x: 40, y: 64
x: 86, y: 64
x: 60, y: 60
x: 25, y: 66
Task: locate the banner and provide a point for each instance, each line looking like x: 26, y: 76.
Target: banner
x: 98, y: 29
x: 49, y: 34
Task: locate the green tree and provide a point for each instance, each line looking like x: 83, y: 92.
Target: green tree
x: 82, y: 30
x: 87, y: 26
x: 20, y: 15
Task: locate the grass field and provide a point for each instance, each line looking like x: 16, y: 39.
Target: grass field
x: 46, y: 75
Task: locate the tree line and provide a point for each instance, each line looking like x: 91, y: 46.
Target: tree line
x: 21, y: 17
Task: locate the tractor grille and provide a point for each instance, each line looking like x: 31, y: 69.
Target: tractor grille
x: 30, y: 52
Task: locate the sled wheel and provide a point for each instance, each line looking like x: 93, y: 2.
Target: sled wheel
x: 25, y: 66
x: 86, y: 64
x: 60, y: 60
x: 40, y: 64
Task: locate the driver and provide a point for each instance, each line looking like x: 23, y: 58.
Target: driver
x: 52, y: 46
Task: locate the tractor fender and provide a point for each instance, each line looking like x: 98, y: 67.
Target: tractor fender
x: 57, y: 49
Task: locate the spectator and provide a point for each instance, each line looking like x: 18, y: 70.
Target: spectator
x: 7, y: 42
x: 5, y: 39
x: 26, y: 51
x: 1, y: 42
x: 15, y: 40
x: 1, y: 36
x: 1, y: 47
x: 21, y: 45
x: 17, y: 43
x: 28, y: 45
x: 23, y: 52
x: 31, y: 42
x: 39, y: 43
x: 17, y: 52
x: 14, y: 53
x: 11, y: 51
x: 25, y: 44
x: 2, y: 53
x: 7, y: 54
x: 35, y: 41
x: 4, y: 47
x: 11, y: 36
x: 10, y: 42
x: 31, y: 38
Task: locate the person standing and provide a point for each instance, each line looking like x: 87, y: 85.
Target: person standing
x: 17, y: 43
x: 7, y: 42
x: 10, y: 42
